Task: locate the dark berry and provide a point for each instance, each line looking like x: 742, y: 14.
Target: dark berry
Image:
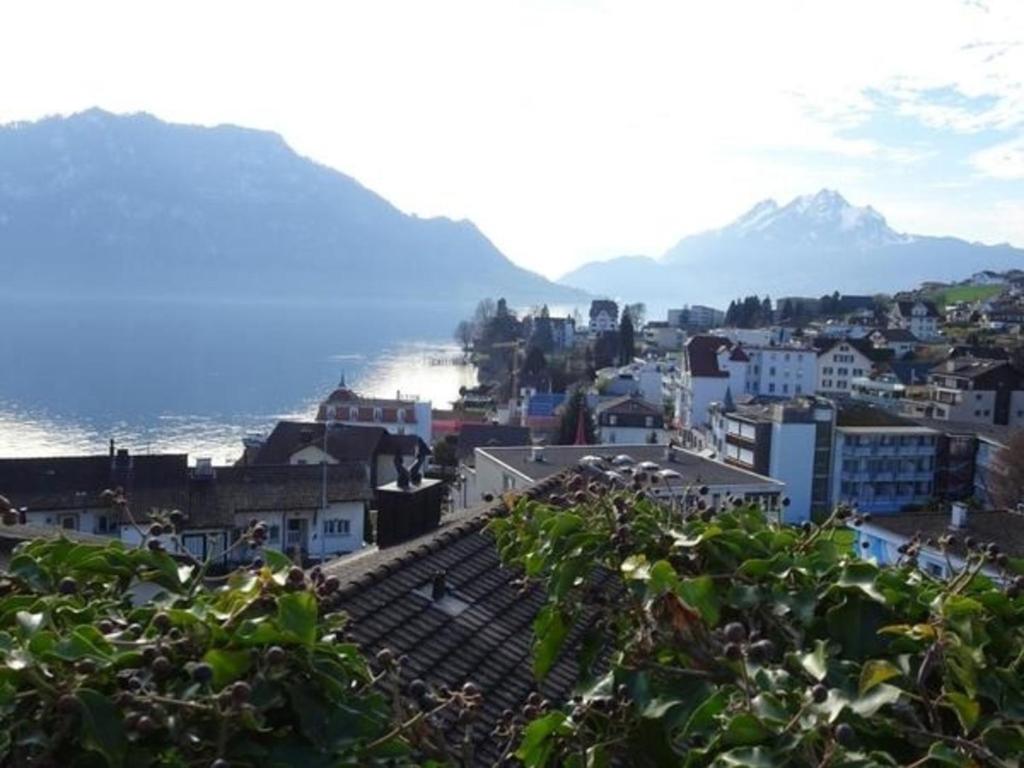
x: 220, y: 762
x: 156, y: 529
x: 202, y: 673
x: 276, y: 655
x: 735, y: 632
x: 155, y: 545
x: 417, y: 688
x: 761, y: 651
x: 67, y: 586
x: 145, y: 725
x: 240, y: 692
x: 162, y: 622
x: 67, y: 704
x: 819, y: 693
x: 296, y: 575
x: 161, y: 666
x: 733, y: 652
x: 846, y: 736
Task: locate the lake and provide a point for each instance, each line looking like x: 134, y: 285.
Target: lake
x: 165, y: 375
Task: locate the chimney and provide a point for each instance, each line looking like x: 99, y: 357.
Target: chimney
x: 537, y: 454
x: 439, y: 589
x: 958, y: 514
x: 111, y: 447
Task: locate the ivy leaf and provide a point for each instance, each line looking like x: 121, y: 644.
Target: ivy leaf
x: 227, y: 665
x: 663, y: 578
x: 636, y: 567
x: 700, y: 593
x: 747, y: 757
x: 876, y: 671
x: 878, y: 697
x: 538, y: 738
x: 745, y: 729
x: 102, y: 729
x: 29, y: 623
x: 815, y: 662
x: 946, y: 755
x: 855, y: 624
x: 296, y: 616
x: 861, y: 575
x: 967, y: 709
x: 550, y: 630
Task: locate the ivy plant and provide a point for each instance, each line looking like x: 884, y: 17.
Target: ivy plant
x: 124, y: 656
x: 724, y: 638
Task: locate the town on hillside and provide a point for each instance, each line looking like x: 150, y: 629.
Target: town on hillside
x: 903, y: 407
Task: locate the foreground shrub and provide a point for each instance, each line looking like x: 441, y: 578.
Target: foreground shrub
x: 735, y: 641
x: 125, y: 657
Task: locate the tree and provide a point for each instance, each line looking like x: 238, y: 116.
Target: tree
x: 464, y: 334
x: 543, y: 336
x: 606, y: 349
x: 638, y: 313
x: 627, y: 343
x: 766, y: 315
x: 575, y: 409
x: 730, y: 640
x: 444, y: 451
x: 1006, y: 479
x: 732, y: 315
x: 534, y: 363
x: 786, y: 312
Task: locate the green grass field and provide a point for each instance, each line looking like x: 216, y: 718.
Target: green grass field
x: 964, y: 293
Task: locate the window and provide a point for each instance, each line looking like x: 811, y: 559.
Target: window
x: 401, y: 415
x: 102, y: 524
x: 785, y: 389
x: 508, y: 482
x: 353, y: 413
x: 934, y: 569
x: 649, y: 421
x: 771, y: 387
x: 378, y: 414
x: 798, y: 389
x: 69, y: 522
x: 274, y: 533
x: 337, y: 527
x: 771, y: 371
x: 613, y: 420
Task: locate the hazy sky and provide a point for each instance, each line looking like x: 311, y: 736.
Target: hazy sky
x: 570, y: 131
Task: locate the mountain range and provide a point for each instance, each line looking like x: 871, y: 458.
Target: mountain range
x: 100, y: 204
x: 813, y: 245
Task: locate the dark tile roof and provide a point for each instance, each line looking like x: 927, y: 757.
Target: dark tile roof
x: 488, y: 643
x: 344, y: 443
x: 969, y: 367
x: 606, y: 305
x: 629, y: 404
x: 1000, y: 526
x: 995, y: 433
x: 473, y: 436
x: 897, y: 335
x: 76, y: 482
x: 906, y: 307
x: 910, y: 372
x: 851, y: 414
x: 702, y: 355
x: 974, y: 350
x: 214, y: 502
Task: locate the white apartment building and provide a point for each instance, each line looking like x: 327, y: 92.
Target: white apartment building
x: 839, y: 363
x: 783, y: 371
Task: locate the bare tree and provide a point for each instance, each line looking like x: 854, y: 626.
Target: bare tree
x: 1004, y: 479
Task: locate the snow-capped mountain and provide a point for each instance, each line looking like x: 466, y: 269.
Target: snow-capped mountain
x: 824, y: 219
x: 812, y: 245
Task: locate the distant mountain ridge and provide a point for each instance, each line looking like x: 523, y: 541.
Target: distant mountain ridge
x: 129, y: 204
x: 812, y: 245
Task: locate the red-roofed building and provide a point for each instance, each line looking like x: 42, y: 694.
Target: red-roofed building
x: 402, y: 415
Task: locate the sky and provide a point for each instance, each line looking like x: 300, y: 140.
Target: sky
x: 567, y: 130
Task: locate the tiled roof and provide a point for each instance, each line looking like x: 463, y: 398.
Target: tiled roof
x: 702, y: 355
x: 969, y: 367
x: 1002, y: 527
x: 898, y: 335
x: 473, y: 436
x: 906, y: 308
x: 75, y: 482
x: 272, y: 488
x: 344, y: 443
x: 604, y: 305
x: 629, y: 404
x: 488, y: 642
x: 544, y: 404
x: 855, y: 415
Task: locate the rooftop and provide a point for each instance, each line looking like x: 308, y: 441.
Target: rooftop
x: 482, y: 631
x: 1004, y: 527
x: 693, y: 467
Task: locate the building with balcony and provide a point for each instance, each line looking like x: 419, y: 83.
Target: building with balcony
x: 788, y: 441
x: 882, y: 463
x: 975, y: 390
x: 401, y: 415
x: 840, y: 361
x: 919, y: 317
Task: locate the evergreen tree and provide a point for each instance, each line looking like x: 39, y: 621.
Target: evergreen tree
x: 543, y: 337
x: 576, y: 407
x: 535, y: 362
x: 627, y: 342
x: 766, y: 315
x: 731, y: 314
x: 786, y: 312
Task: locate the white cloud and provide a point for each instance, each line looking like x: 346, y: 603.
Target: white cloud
x: 1001, y: 161
x: 566, y: 130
